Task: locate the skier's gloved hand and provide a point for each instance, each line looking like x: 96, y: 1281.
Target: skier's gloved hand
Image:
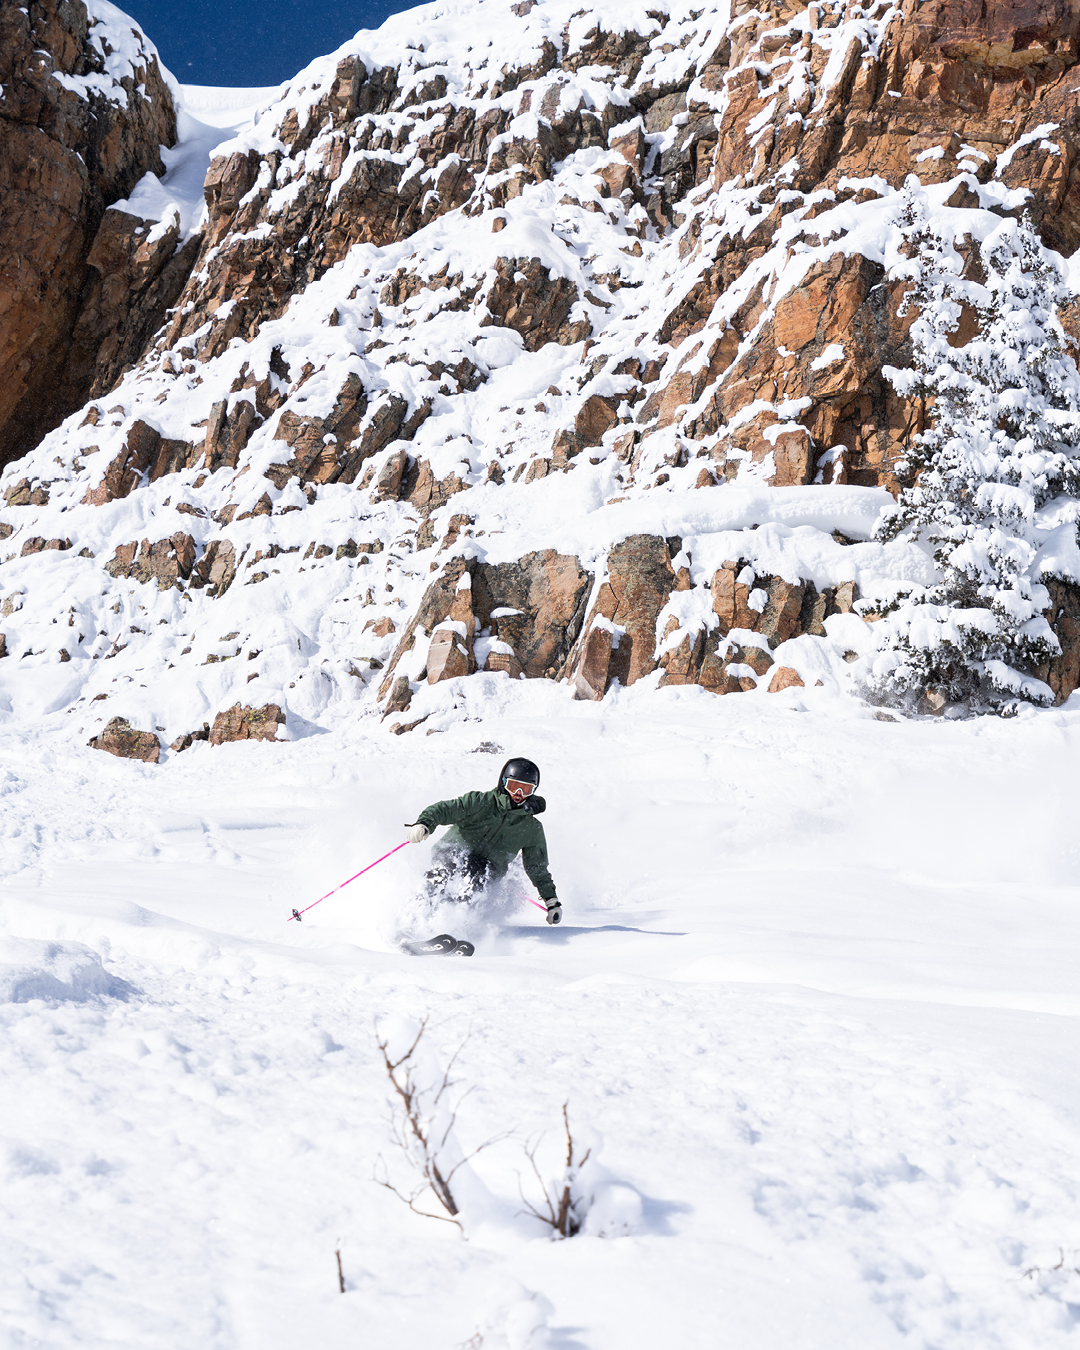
x: 418, y: 833
x: 554, y: 910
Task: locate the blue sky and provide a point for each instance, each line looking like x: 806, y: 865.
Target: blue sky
x: 251, y: 42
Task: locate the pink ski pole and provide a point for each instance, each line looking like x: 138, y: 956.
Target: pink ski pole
x: 297, y: 912
x: 532, y: 901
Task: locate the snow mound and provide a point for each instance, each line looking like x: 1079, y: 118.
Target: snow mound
x: 58, y: 972
x: 514, y: 1318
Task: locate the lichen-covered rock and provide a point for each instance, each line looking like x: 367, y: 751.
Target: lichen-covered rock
x: 244, y: 723
x: 168, y: 561
x: 122, y: 739
x: 38, y: 545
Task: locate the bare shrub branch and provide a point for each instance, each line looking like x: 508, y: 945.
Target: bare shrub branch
x: 416, y: 1133
x: 1033, y: 1272
x: 559, y: 1211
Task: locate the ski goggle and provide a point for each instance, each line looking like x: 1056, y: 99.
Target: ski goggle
x: 517, y: 788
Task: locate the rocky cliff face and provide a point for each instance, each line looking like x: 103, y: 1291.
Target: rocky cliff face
x: 84, y: 113
x: 552, y: 354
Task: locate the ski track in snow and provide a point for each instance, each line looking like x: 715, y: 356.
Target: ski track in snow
x: 816, y: 990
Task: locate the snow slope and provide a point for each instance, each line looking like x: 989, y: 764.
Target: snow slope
x: 816, y: 991
x: 206, y: 117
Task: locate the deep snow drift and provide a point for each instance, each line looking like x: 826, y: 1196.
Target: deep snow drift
x: 815, y: 991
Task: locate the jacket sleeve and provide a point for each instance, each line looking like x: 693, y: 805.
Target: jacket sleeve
x: 450, y: 812
x: 535, y: 857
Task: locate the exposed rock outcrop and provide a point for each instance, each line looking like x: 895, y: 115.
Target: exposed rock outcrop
x: 244, y: 723
x: 530, y: 611
x: 121, y: 738
x: 81, y: 125
x: 507, y: 307
x: 168, y: 561
x: 189, y: 738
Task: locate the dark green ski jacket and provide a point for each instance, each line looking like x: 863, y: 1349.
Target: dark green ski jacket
x: 490, y: 824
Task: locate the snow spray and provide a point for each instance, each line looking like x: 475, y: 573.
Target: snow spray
x: 297, y: 912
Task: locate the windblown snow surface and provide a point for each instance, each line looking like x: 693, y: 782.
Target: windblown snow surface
x: 816, y: 990
x: 813, y: 1005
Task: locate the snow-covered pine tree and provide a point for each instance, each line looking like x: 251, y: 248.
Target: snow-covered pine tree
x: 1003, y: 443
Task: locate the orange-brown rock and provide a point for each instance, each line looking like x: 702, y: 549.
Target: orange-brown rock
x: 1062, y: 674
x: 380, y: 200
x: 120, y: 738
x: 63, y: 159
x: 242, y: 723
x: 136, y: 272
x: 506, y: 662
x: 400, y: 696
x: 388, y: 484
x: 785, y: 678
x: 323, y: 447
x: 595, y: 416
x: 27, y: 492
x: 535, y: 605
x: 227, y: 432
x: 39, y: 545
x: 524, y: 297
x: 950, y: 87
x: 591, y: 678
x: 639, y: 580
x: 426, y: 492
x: 168, y: 561
x: 140, y: 451
x: 448, y: 657
x: 433, y: 610
x: 216, y: 569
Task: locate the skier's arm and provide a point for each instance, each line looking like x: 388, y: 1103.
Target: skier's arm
x: 535, y: 858
x: 449, y: 812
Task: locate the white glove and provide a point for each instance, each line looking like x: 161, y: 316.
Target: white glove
x: 554, y: 910
x: 418, y: 833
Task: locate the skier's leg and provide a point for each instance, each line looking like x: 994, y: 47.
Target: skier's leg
x: 452, y: 875
x: 456, y: 875
x: 479, y: 871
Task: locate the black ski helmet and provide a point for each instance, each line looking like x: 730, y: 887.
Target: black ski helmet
x: 524, y: 770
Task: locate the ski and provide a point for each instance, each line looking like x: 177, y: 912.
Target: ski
x: 436, y: 946
x: 443, y: 945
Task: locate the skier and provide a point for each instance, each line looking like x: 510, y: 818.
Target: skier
x: 488, y: 830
